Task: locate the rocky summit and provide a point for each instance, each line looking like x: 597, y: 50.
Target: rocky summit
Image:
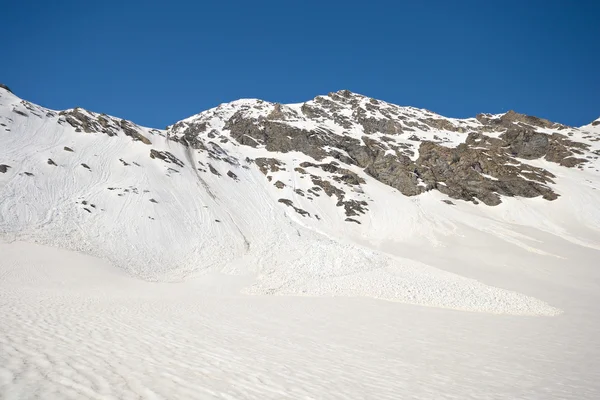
x: 350, y: 136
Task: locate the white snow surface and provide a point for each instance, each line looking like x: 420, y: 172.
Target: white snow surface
x: 214, y: 289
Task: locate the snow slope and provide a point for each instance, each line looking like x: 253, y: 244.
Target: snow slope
x: 174, y: 218
x: 145, y: 263
x: 74, y: 327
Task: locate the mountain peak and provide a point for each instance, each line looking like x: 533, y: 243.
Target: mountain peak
x: 3, y: 86
x: 249, y: 184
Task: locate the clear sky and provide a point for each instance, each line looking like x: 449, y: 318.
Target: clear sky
x: 156, y: 62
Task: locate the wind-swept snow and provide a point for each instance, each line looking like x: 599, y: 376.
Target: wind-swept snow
x: 74, y: 327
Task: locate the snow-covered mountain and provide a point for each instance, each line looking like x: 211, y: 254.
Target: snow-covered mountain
x: 340, y: 195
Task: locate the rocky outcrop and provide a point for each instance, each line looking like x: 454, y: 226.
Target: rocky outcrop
x: 88, y: 122
x: 412, y: 150
x: 289, y: 203
x: 529, y: 144
x: 130, y: 130
x: 166, y: 157
x: 267, y: 165
x: 277, y: 136
x: 468, y: 174
x: 513, y: 119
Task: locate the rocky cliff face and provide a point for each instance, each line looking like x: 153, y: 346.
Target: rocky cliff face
x: 412, y: 150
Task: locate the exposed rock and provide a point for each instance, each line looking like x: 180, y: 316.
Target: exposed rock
x: 276, y: 136
x: 289, y: 203
x: 213, y: 170
x: 131, y: 131
x: 526, y: 143
x: 191, y: 134
x: 354, y: 207
x: 382, y: 140
x: 373, y: 125
x: 81, y: 119
x: 347, y: 176
x: 166, y: 157
x: 3, y: 86
x: 461, y: 170
x: 268, y: 164
x: 327, y: 187
x: 277, y: 113
x: 513, y: 119
x: 442, y: 124
x: 50, y: 162
x: 67, y: 149
x: 232, y: 175
x: 4, y: 168
x: 86, y: 166
x: 279, y: 185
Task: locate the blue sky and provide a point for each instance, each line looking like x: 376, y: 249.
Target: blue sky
x: 158, y: 62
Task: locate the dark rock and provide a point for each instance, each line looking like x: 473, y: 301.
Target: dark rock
x: 79, y: 119
x: 153, y: 201
x: 276, y: 136
x: 67, y: 149
x: 353, y: 207
x: 166, y: 157
x: 190, y: 134
x: 232, y: 175
x: 268, y: 164
x: 134, y: 132
x: 526, y: 143
x: 327, y: 187
x: 4, y: 168
x: 289, y: 203
x: 213, y: 170
x: 279, y: 185
x: 3, y: 86
x: 50, y: 162
x: 86, y: 166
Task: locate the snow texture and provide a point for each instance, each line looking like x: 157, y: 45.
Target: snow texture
x: 135, y: 268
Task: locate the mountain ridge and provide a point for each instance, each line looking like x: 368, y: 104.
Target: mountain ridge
x: 342, y: 195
